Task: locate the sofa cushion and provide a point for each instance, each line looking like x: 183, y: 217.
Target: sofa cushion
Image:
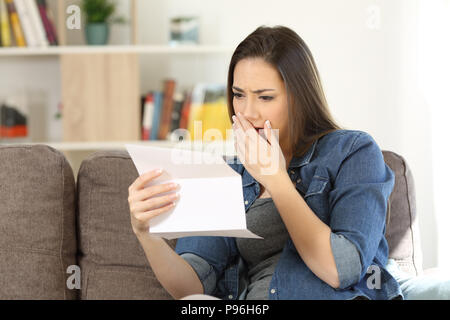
x: 113, y: 263
x: 402, y: 227
x: 37, y: 223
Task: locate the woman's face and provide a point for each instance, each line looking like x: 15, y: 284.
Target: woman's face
x: 259, y: 94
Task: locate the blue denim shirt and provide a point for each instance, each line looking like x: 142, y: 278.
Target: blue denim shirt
x: 344, y: 180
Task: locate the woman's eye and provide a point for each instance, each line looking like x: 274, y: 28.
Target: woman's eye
x: 237, y: 95
x: 266, y: 98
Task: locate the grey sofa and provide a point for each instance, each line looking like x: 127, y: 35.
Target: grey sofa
x: 49, y: 223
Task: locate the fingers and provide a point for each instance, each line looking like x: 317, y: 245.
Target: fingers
x: 268, y: 131
x: 245, y: 137
x: 274, y: 137
x: 147, y: 203
x: 239, y: 136
x: 247, y: 144
x: 141, y: 221
x: 152, y: 191
x: 153, y: 203
x: 239, y: 151
x: 245, y: 127
x: 142, y: 212
x: 146, y: 216
x: 240, y: 119
x: 145, y: 178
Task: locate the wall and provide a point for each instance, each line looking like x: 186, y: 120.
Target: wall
x: 434, y: 78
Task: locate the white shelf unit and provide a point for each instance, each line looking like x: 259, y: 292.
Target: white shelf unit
x: 138, y: 49
x: 76, y: 151
x: 56, y: 51
x: 95, y: 146
x: 227, y: 145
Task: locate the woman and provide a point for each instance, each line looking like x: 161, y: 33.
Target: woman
x: 319, y: 203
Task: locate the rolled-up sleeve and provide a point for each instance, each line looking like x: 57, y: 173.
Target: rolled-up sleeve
x: 204, y: 270
x: 208, y: 256
x: 358, y: 204
x: 347, y: 260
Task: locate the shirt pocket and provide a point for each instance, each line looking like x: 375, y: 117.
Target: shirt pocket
x: 317, y: 186
x: 317, y: 194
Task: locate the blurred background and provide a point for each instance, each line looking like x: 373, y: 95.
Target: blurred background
x: 384, y: 64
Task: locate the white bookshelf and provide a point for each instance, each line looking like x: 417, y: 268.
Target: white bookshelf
x: 138, y: 49
x: 227, y: 145
x: 109, y: 145
x: 56, y: 55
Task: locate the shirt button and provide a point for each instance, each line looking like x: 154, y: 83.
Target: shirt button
x: 246, y: 202
x: 272, y: 291
x: 292, y: 172
x: 230, y: 297
x: 299, y: 180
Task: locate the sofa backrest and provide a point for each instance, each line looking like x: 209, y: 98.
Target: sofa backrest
x: 402, y: 227
x: 37, y: 223
x: 112, y: 261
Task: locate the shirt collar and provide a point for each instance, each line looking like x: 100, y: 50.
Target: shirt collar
x: 305, y: 159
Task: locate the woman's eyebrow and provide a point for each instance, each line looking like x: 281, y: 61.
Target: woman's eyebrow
x: 256, y: 91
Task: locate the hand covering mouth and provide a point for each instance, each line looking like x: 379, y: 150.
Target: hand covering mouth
x: 260, y: 132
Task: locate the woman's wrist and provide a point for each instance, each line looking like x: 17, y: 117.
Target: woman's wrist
x: 146, y: 236
x: 276, y: 181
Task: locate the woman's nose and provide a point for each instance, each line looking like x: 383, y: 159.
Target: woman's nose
x: 250, y: 112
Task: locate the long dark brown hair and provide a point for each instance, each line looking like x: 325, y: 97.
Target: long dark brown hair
x: 309, y: 116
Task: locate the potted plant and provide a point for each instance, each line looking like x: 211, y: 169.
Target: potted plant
x: 98, y: 16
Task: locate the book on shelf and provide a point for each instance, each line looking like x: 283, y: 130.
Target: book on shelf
x: 171, y: 109
x: 26, y: 23
x: 48, y: 22
x: 15, y: 24
x: 5, y: 30
x: 178, y: 99
x: 185, y: 110
x: 37, y: 25
x: 157, y: 101
x: 147, y: 117
x: 209, y: 108
x: 166, y: 111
